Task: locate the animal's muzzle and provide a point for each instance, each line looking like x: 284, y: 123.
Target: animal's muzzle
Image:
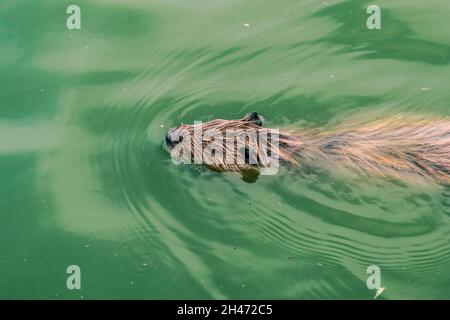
x: 172, y: 138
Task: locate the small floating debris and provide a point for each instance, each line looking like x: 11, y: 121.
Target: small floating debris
x: 247, y: 25
x: 162, y: 126
x: 426, y: 89
x: 379, y: 292
x: 331, y: 76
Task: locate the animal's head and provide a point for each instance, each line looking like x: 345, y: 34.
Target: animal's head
x: 176, y: 135
x: 241, y: 145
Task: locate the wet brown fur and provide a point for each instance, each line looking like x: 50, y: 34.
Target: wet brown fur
x: 399, y: 147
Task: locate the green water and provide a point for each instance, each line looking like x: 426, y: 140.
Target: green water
x: 85, y: 181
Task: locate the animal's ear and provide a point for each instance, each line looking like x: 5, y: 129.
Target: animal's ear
x: 253, y: 117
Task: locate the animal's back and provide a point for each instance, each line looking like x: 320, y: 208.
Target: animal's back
x: 402, y: 147
x: 399, y: 147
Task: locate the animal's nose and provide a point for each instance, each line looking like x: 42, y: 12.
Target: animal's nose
x: 171, y: 139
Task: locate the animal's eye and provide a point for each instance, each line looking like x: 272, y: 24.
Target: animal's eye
x: 180, y: 139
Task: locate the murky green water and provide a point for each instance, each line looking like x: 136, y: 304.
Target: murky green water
x: 85, y: 181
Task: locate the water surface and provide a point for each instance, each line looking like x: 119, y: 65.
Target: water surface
x: 85, y: 181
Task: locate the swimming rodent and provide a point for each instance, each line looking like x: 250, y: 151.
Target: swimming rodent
x: 399, y: 147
